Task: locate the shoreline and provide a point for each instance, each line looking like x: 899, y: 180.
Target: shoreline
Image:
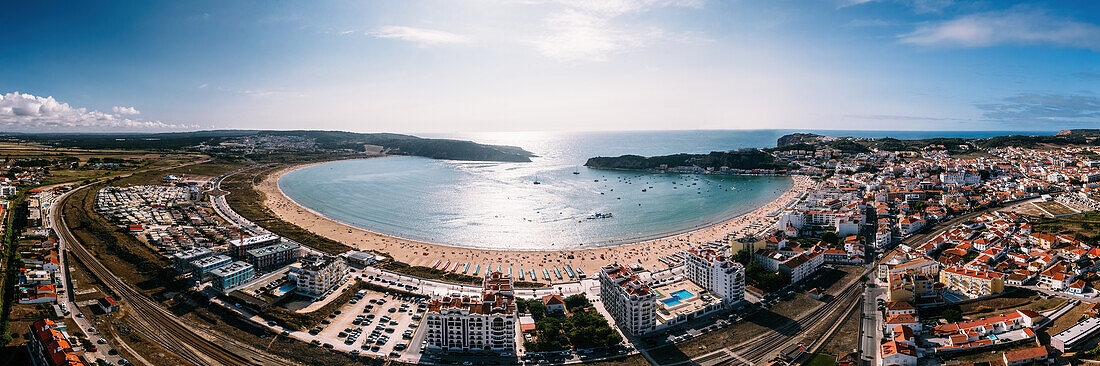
x: 644, y: 252
x: 594, y: 245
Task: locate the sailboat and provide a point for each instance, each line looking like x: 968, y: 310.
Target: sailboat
x: 537, y: 180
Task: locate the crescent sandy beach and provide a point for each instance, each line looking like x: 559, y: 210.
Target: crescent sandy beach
x: 644, y: 253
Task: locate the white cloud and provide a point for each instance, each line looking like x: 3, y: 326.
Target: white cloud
x: 424, y: 37
x: 931, y: 6
x: 847, y: 3
x: 203, y: 85
x: 586, y: 30
x: 25, y: 112
x: 576, y: 36
x: 1018, y: 25
x: 122, y: 111
x: 616, y: 7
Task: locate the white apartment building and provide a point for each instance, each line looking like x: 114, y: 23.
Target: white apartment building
x: 469, y: 324
x: 960, y: 177
x: 630, y: 302
x: 802, y: 266
x: 712, y: 269
x: 238, y: 247
x: 317, y: 275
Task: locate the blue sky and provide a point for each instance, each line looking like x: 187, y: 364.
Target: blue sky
x: 522, y: 65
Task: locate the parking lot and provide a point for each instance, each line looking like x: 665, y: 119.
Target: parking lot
x: 371, y: 323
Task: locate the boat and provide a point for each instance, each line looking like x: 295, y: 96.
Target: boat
x: 599, y: 216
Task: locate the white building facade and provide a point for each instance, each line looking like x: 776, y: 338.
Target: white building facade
x: 630, y: 302
x: 713, y: 269
x: 470, y: 324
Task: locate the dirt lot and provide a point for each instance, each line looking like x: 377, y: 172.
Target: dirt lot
x: 846, y: 338
x: 1020, y: 299
x: 989, y: 355
x: 1068, y: 319
x: 1055, y: 208
x: 1027, y: 209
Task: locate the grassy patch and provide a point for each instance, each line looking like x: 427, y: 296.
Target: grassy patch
x: 210, y: 168
x: 10, y: 256
x: 249, y: 202
x: 821, y: 359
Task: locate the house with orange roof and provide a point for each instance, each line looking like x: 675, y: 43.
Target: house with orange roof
x: 907, y: 319
x: 51, y: 346
x: 904, y: 334
x: 1057, y: 277
x: 1077, y: 287
x: 971, y: 283
x: 895, y: 353
x: 554, y: 303
x: 1018, y: 319
x: 1026, y: 356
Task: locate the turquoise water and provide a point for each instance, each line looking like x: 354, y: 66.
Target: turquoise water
x: 498, y: 206
x: 676, y: 297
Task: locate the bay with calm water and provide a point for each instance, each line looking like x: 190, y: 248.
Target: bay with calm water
x: 498, y: 206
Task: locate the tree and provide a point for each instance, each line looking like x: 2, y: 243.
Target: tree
x: 537, y: 309
x: 743, y: 257
x: 830, y: 237
x: 578, y: 301
x: 952, y: 315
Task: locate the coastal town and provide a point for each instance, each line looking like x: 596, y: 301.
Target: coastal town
x: 937, y: 255
x: 550, y: 182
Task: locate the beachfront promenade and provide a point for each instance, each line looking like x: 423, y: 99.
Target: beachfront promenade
x: 427, y: 286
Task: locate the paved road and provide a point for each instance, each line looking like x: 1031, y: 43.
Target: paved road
x: 1063, y: 294
x: 871, y: 323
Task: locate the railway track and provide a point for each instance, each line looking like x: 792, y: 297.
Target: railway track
x: 757, y: 350
x: 157, y: 323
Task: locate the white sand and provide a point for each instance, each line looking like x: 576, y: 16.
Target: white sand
x: 645, y: 253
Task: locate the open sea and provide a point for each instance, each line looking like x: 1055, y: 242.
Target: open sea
x: 499, y: 206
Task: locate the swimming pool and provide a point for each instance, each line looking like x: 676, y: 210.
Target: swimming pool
x: 676, y: 297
